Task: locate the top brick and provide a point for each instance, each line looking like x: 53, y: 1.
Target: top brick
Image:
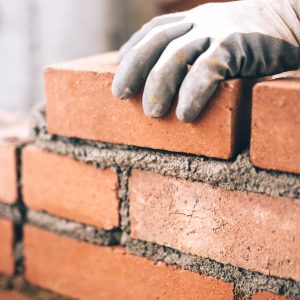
x: 275, y: 135
x: 80, y: 104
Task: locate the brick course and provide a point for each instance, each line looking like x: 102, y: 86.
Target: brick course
x: 68, y: 188
x: 275, y: 134
x: 80, y: 104
x: 6, y: 247
x: 247, y: 230
x: 85, y: 271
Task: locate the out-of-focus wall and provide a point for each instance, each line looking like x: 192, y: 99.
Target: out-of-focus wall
x: 34, y: 33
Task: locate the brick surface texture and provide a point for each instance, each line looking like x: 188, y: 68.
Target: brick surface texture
x: 8, y: 171
x: 85, y: 271
x: 80, y: 104
x: 5, y: 295
x: 244, y: 229
x: 6, y: 247
x: 275, y: 136
x: 68, y: 188
x: 269, y: 296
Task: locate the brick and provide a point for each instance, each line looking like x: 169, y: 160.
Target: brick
x: 8, y: 171
x: 5, y: 295
x: 60, y: 263
x: 6, y: 248
x: 275, y: 138
x: 13, y: 132
x: 246, y: 230
x: 80, y: 104
x: 68, y: 188
x: 269, y: 296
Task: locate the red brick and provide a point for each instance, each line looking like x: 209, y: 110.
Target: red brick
x: 80, y: 104
x: 86, y: 271
x: 68, y: 188
x: 268, y: 296
x: 247, y: 230
x: 8, y: 171
x: 6, y: 247
x: 13, y: 131
x: 275, y: 135
x: 4, y: 295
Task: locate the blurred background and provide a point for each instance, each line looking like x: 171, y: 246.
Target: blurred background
x: 34, y: 33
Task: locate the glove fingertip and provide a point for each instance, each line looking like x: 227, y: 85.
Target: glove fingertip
x: 186, y: 115
x: 120, y: 93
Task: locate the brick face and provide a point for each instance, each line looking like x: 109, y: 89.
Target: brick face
x: 244, y: 229
x: 269, y: 296
x: 6, y: 247
x: 68, y: 188
x: 80, y: 104
x: 8, y: 171
x: 86, y: 271
x: 275, y: 138
x: 5, y: 295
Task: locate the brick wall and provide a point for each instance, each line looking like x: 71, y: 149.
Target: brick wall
x: 106, y: 203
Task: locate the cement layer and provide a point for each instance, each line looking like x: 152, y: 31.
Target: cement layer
x: 74, y: 230
x: 238, y: 174
x: 10, y: 212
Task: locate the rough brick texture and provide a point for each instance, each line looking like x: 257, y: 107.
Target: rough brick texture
x: 247, y: 230
x: 80, y: 104
x: 269, y: 296
x: 8, y: 171
x: 5, y: 295
x: 68, y: 188
x: 85, y: 271
x: 6, y: 247
x: 275, y: 139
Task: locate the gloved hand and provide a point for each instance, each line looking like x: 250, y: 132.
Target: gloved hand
x: 220, y: 40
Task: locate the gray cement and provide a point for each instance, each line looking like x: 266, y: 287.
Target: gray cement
x: 10, y: 212
x: 74, y: 230
x: 123, y: 174
x: 246, y: 282
x: 238, y: 174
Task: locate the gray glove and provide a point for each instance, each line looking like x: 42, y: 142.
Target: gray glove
x: 220, y: 40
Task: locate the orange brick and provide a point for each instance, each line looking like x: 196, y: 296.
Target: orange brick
x: 247, y: 230
x: 80, y: 104
x: 6, y: 247
x: 8, y: 171
x: 275, y: 135
x: 68, y: 188
x: 86, y: 271
x: 268, y: 296
x: 5, y: 295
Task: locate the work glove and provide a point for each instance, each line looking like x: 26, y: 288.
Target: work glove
x: 220, y: 40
